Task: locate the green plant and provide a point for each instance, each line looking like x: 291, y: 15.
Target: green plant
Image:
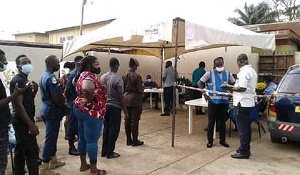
x: 188, y: 95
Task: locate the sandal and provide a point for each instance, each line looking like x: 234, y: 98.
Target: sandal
x: 84, y: 168
x: 114, y: 155
x: 99, y: 172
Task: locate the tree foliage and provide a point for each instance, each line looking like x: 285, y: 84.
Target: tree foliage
x: 262, y: 13
x: 276, y: 11
x: 288, y: 10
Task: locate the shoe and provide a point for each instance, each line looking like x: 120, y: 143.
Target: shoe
x: 238, y: 151
x: 129, y: 142
x: 54, y: 163
x: 209, y: 145
x: 200, y: 113
x: 224, y: 144
x: 113, y: 155
x: 45, y: 170
x: 137, y: 143
x: 103, y: 154
x: 74, y: 152
x: 165, y: 114
x: 240, y: 156
x: 206, y: 129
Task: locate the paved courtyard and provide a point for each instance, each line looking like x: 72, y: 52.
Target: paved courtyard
x: 189, y: 155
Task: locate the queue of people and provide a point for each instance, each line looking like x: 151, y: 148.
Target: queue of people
x: 91, y: 104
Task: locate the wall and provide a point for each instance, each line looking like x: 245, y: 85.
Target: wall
x: 35, y: 38
x: 190, y: 61
x: 148, y: 64
x: 297, y: 57
x: 37, y: 57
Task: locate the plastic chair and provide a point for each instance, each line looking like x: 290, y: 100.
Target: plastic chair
x: 254, y: 118
x: 231, y: 117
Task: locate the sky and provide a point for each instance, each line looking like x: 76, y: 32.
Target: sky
x: 20, y: 16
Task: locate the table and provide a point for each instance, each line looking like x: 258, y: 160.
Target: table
x: 155, y: 90
x: 197, y: 102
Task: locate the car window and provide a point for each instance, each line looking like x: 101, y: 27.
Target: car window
x: 290, y: 84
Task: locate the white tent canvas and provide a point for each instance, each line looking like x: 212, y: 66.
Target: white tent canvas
x: 154, y: 37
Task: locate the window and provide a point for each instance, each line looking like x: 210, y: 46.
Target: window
x: 70, y: 37
x: 62, y: 39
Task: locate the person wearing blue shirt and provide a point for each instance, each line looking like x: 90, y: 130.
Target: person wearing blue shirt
x: 52, y: 111
x: 271, y: 86
x: 71, y: 121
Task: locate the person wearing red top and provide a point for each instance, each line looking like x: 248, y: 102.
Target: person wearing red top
x: 90, y: 111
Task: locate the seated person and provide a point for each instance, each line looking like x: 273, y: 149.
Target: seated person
x: 149, y: 84
x: 270, y: 88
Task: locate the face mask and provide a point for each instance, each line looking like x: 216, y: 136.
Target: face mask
x: 149, y: 80
x: 3, y: 68
x: 96, y: 70
x: 27, y: 68
x: 219, y: 69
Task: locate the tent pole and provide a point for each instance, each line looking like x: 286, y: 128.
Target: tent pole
x: 82, y: 12
x: 162, y: 52
x: 176, y: 25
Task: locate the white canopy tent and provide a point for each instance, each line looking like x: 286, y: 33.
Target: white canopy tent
x: 168, y: 38
x: 156, y: 36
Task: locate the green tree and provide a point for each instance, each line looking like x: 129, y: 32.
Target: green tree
x: 260, y: 14
x: 287, y: 10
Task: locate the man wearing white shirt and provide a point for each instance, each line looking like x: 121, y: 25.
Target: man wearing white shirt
x: 244, y: 101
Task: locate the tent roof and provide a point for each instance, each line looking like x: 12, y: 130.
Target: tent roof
x: 157, y: 35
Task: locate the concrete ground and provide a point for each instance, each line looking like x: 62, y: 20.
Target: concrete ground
x: 189, y: 156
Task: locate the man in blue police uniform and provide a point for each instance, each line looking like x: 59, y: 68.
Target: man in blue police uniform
x: 217, y: 104
x: 52, y: 111
x: 71, y: 94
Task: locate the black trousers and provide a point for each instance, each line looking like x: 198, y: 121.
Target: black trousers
x: 217, y: 113
x: 3, y: 149
x: 243, y: 122
x: 132, y: 123
x: 26, y: 150
x: 111, y: 129
x: 168, y: 99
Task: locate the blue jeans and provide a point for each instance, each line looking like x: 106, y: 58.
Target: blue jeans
x: 89, y: 130
x: 243, y: 123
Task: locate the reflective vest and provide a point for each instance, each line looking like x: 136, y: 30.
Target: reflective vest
x: 215, y: 83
